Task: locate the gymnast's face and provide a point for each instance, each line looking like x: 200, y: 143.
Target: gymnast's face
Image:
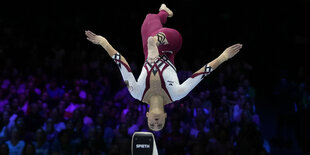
x: 156, y: 121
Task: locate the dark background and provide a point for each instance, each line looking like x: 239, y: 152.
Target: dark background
x: 274, y: 34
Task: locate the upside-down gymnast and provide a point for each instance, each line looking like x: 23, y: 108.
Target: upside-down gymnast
x: 158, y: 83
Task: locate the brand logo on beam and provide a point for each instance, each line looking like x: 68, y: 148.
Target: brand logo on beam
x: 143, y: 146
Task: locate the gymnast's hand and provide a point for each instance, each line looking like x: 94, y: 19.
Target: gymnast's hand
x: 230, y: 51
x: 96, y: 39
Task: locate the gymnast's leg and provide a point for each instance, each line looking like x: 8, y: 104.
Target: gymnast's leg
x: 152, y: 23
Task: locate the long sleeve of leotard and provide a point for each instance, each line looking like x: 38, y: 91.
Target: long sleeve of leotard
x: 135, y: 87
x: 178, y: 91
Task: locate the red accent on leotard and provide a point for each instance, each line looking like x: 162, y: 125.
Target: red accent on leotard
x: 160, y: 72
x: 197, y: 74
x: 126, y: 66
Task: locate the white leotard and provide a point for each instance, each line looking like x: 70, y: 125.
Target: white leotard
x: 168, y: 76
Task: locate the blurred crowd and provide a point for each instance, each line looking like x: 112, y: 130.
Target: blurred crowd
x: 59, y: 108
x: 292, y: 97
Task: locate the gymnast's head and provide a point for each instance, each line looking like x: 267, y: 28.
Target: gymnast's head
x: 156, y: 117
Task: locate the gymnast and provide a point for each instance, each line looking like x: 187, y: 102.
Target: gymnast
x: 158, y: 83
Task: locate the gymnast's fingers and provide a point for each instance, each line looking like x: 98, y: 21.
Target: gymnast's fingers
x: 236, y: 46
x: 90, y: 34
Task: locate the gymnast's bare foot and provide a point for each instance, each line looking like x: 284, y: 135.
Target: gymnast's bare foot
x: 165, y: 8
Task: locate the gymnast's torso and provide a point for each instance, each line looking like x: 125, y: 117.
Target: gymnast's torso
x: 160, y: 78
x: 157, y: 78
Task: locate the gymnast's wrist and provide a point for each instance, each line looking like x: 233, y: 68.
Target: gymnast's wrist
x: 104, y: 43
x: 222, y: 58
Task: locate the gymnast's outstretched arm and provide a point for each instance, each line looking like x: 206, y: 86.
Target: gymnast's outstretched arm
x: 134, y: 87
x: 183, y: 89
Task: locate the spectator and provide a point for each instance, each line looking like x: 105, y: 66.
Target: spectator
x: 48, y: 127
x: 33, y: 120
x: 54, y: 92
x: 4, y: 126
x: 42, y: 146
x: 29, y: 149
x: 57, y: 120
x: 63, y: 144
x: 15, y: 144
